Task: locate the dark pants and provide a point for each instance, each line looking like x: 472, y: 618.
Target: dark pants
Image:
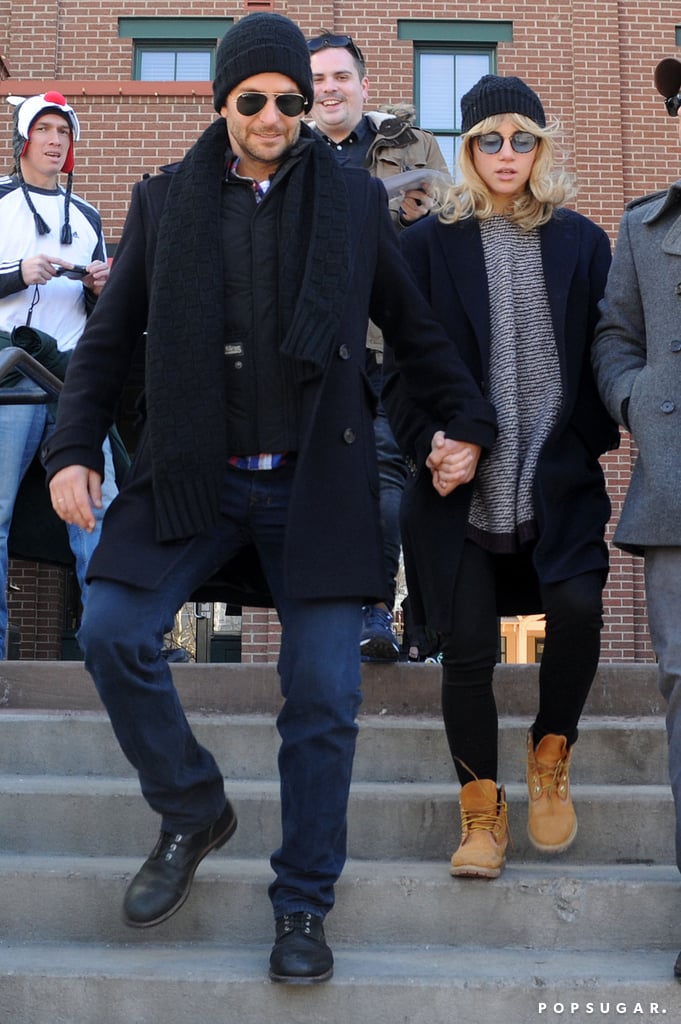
x: 663, y: 589
x: 122, y: 636
x: 574, y: 619
x: 392, y: 473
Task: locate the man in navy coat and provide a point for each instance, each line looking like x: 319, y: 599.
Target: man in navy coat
x: 253, y: 266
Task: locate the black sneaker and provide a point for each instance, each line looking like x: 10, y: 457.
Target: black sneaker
x: 300, y: 955
x: 163, y: 882
x: 378, y: 642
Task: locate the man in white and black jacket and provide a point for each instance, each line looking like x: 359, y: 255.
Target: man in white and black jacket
x: 45, y: 231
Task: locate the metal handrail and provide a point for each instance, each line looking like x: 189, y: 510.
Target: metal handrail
x: 14, y: 358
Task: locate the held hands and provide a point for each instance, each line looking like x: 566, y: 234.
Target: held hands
x: 451, y: 462
x: 74, y: 491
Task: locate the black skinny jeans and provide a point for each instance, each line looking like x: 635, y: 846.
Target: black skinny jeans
x: 574, y: 619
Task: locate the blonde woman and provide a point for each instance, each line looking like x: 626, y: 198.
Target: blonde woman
x: 515, y: 277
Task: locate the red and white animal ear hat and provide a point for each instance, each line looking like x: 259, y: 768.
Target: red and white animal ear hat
x: 27, y: 110
x: 25, y: 113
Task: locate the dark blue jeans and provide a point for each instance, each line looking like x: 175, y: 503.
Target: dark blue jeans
x: 23, y: 429
x: 122, y: 636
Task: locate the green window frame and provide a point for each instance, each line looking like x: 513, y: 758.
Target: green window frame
x: 161, y: 62
x: 442, y: 75
x: 449, y: 57
x: 174, y: 49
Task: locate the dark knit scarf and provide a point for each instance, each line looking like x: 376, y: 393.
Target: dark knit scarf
x: 185, y: 343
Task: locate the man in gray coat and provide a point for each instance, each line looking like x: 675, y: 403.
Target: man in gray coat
x: 637, y: 361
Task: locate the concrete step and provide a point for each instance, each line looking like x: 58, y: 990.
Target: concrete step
x: 602, y: 908
x: 420, y: 821
x: 589, y: 935
x: 400, y: 689
x: 408, y: 984
x: 389, y: 749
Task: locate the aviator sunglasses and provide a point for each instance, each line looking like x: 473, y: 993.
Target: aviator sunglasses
x: 290, y: 104
x: 344, y: 42
x: 521, y: 142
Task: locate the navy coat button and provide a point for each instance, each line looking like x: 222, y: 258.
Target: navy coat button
x: 349, y: 436
x: 344, y: 352
x: 675, y: 345
x: 667, y: 407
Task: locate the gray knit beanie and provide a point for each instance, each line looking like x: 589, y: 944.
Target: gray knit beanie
x: 495, y: 94
x: 258, y: 44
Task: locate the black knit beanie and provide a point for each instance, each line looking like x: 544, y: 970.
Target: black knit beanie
x: 494, y: 94
x: 258, y: 44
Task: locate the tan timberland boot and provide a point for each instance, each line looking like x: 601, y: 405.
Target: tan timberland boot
x: 484, y: 830
x: 552, y: 823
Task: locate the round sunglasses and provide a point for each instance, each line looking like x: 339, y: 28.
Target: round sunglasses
x: 521, y: 142
x: 290, y: 104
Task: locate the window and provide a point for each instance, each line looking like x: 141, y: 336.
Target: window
x: 156, y: 62
x: 449, y: 57
x: 442, y: 78
x: 174, y: 49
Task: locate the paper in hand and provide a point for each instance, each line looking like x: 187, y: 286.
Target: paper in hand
x: 422, y: 178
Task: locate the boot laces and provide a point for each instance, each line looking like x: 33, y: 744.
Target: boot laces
x: 480, y: 820
x: 300, y: 920
x: 551, y: 778
x: 487, y: 821
x: 167, y: 845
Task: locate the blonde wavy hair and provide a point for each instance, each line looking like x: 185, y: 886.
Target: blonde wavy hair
x: 549, y: 186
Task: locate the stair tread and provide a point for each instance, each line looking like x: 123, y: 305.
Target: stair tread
x: 388, y: 721
x: 185, y: 982
x: 556, y: 931
x: 420, y: 871
x: 396, y: 689
x: 454, y: 966
x: 98, y: 784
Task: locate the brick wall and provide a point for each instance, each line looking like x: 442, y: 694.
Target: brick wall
x: 260, y: 635
x: 592, y: 64
x: 36, y: 609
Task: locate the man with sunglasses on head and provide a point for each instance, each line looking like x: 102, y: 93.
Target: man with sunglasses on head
x: 386, y: 145
x: 636, y: 361
x: 253, y: 266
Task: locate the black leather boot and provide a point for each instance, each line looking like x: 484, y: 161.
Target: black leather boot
x: 300, y: 955
x: 163, y: 882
